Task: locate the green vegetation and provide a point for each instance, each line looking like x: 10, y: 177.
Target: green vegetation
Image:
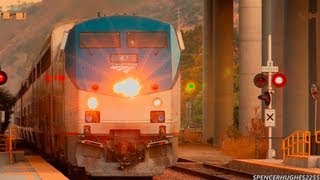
x: 191, y: 69
x: 236, y: 79
x: 7, y: 101
x: 192, y: 86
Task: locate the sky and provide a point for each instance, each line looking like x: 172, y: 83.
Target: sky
x: 5, y: 4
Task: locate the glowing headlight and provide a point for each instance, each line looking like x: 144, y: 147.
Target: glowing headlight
x: 157, y: 102
x: 92, y: 103
x: 128, y: 87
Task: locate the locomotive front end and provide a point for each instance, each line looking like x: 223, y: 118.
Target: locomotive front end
x: 123, y: 88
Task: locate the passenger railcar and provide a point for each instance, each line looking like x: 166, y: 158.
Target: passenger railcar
x: 104, y: 95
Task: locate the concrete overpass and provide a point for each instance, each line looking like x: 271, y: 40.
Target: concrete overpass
x: 295, y: 29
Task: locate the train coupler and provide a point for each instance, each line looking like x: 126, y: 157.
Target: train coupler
x: 128, y: 157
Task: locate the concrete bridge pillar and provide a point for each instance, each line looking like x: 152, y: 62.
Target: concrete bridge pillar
x: 250, y: 31
x: 217, y: 69
x: 296, y: 65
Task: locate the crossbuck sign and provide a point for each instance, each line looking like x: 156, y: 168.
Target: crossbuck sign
x: 270, y: 117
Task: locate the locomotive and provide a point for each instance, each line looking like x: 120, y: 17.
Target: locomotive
x: 104, y: 96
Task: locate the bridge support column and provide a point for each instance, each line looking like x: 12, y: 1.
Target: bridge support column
x: 296, y: 92
x: 217, y: 69
x: 250, y: 61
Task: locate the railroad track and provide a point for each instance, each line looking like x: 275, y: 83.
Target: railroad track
x: 209, y: 171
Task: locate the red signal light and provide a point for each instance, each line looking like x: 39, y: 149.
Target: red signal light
x: 279, y: 80
x: 260, y: 80
x: 3, y: 77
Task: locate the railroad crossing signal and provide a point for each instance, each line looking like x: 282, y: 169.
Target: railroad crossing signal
x: 265, y: 97
x: 269, y: 68
x: 278, y: 80
x: 260, y: 80
x: 3, y: 77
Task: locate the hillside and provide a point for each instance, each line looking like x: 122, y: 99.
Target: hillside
x: 21, y: 41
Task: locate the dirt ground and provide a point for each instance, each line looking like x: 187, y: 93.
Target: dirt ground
x: 202, y: 153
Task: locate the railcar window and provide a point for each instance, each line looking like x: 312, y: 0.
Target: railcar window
x: 31, y: 77
x: 24, y: 88
x: 45, y: 61
x: 147, y: 40
x: 99, y: 40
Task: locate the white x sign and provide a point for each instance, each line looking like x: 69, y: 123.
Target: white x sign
x: 270, y: 117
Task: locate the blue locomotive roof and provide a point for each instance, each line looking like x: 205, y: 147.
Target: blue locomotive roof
x: 89, y: 62
x: 121, y: 23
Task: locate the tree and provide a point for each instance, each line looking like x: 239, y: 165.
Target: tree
x: 7, y: 101
x: 236, y: 77
x: 191, y: 70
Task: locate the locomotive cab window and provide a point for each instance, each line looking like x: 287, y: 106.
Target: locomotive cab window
x: 99, y: 40
x: 147, y: 40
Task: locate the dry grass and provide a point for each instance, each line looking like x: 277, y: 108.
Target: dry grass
x: 244, y: 147
x: 240, y: 146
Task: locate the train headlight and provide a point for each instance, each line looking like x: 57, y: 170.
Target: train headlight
x: 157, y: 102
x: 128, y: 87
x: 92, y: 103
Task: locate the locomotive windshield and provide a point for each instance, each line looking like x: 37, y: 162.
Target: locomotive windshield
x: 147, y: 40
x: 104, y: 52
x: 99, y: 40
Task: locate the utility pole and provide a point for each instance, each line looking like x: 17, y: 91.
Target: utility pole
x: 269, y: 77
x: 271, y: 151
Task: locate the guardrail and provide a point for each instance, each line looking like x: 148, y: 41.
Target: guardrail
x: 296, y: 144
x: 11, y: 138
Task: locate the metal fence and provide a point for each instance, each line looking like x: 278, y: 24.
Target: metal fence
x: 297, y: 144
